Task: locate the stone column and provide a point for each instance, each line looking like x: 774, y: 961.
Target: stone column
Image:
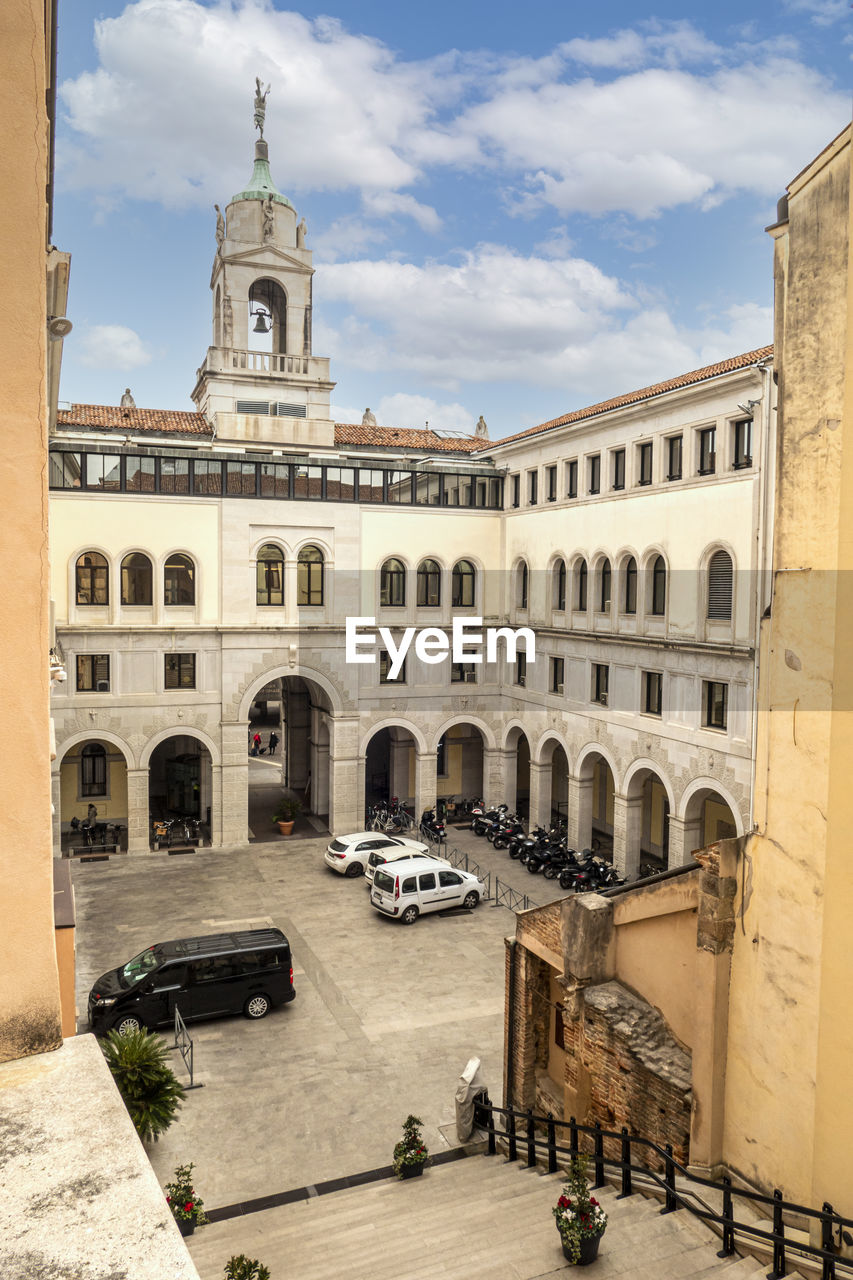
x: 495, y: 790
x: 425, y: 781
x: 579, y: 831
x: 627, y: 834
x: 138, y: 813
x: 509, y: 778
x: 346, y: 780
x: 540, y: 795
x: 685, y: 835
x: 229, y: 818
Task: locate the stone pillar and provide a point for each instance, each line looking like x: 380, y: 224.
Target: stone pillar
x: 685, y: 835
x: 509, y: 778
x: 495, y: 790
x: 56, y: 818
x: 346, y: 776
x: 425, y: 781
x: 320, y: 782
x: 579, y: 831
x: 138, y: 813
x: 627, y: 834
x: 229, y: 816
x: 540, y: 795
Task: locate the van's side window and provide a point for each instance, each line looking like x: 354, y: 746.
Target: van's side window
x: 447, y: 878
x: 248, y: 961
x: 409, y: 885
x: 272, y: 959
x: 427, y: 880
x: 171, y: 975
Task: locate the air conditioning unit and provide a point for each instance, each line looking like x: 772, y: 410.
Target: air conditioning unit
x: 602, y: 698
x: 102, y: 686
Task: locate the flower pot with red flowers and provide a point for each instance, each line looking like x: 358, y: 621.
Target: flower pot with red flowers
x: 187, y: 1209
x: 410, y: 1154
x: 580, y: 1218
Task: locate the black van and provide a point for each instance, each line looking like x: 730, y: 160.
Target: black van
x: 206, y: 977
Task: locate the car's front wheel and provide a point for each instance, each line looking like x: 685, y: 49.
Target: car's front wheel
x: 410, y: 915
x: 471, y: 900
x: 257, y: 1006
x: 354, y: 869
x: 127, y: 1024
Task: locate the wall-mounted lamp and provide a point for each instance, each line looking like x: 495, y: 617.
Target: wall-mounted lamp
x: 749, y: 406
x: 58, y: 327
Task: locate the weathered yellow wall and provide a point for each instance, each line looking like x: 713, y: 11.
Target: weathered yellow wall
x: 29, y: 987
x: 111, y: 808
x: 789, y: 1110
x: 65, y: 951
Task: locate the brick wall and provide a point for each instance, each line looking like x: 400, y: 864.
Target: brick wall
x: 543, y: 925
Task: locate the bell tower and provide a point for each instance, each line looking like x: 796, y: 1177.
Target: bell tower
x: 259, y: 379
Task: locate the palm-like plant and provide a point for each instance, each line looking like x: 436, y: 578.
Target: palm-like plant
x: 242, y: 1268
x: 146, y: 1082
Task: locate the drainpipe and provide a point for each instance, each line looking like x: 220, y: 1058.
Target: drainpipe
x: 510, y: 1024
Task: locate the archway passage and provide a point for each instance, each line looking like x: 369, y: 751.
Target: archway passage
x: 459, y: 764
x: 290, y: 717
x: 180, y: 792
x: 389, y: 770
x: 517, y: 778
x: 559, y: 786
x: 647, y: 823
x: 92, y: 796
x: 596, y: 791
x: 707, y: 818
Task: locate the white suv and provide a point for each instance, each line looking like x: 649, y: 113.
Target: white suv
x: 348, y: 854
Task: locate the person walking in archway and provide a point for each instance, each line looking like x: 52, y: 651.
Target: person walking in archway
x: 273, y: 742
x: 256, y: 744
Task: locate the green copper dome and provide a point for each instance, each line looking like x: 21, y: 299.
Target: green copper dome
x: 261, y: 184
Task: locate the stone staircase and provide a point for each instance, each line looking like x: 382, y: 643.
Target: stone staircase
x: 477, y: 1218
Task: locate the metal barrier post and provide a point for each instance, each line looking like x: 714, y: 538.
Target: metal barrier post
x: 827, y: 1243
x: 599, y: 1156
x: 728, y: 1221
x: 552, y: 1145
x: 779, y: 1268
x: 626, y: 1164
x: 670, y: 1203
x: 510, y: 1131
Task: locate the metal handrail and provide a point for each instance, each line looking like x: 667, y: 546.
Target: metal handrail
x: 831, y: 1223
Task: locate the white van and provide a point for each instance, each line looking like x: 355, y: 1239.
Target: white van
x: 380, y: 856
x: 405, y: 889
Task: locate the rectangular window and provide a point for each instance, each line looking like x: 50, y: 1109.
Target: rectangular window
x: 551, y: 474
x: 103, y: 471
x: 275, y: 480
x: 556, y: 670
x: 618, y: 468
x: 139, y: 474
x: 179, y: 671
x: 64, y: 470
x: 645, y: 462
x: 385, y: 667
x: 594, y: 464
x: 370, y: 485
x: 652, y: 693
x: 93, y: 771
x: 174, y: 475
x: 516, y: 491
x: 463, y: 673
x: 93, y: 673
x: 400, y: 486
x: 521, y: 669
x: 674, y: 446
x: 427, y: 489
x: 707, y: 451
x: 600, y: 678
x: 716, y: 700
x: 207, y: 476
x: 572, y: 478
x: 340, y: 484
x: 240, y: 479
x: 743, y: 444
x: 308, y: 483
x: 532, y: 488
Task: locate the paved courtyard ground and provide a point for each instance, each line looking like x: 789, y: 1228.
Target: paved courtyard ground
x: 384, y: 1020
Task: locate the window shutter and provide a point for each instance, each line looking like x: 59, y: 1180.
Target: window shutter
x: 720, y: 585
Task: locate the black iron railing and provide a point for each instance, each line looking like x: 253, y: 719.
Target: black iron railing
x: 543, y: 1136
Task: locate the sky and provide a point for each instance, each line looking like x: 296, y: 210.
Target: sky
x: 516, y: 210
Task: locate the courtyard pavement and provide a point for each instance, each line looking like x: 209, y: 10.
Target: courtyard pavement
x: 384, y: 1020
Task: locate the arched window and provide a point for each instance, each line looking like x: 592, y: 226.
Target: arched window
x: 429, y: 584
x: 658, y: 608
x: 309, y: 576
x: 521, y: 585
x: 558, y: 586
x: 392, y: 584
x: 462, y: 585
x: 630, y: 597
x: 93, y: 770
x: 179, y: 580
x: 581, y: 581
x: 270, y: 575
x: 604, y: 584
x: 93, y: 583
x: 267, y: 316
x: 720, y: 583
x: 137, y: 579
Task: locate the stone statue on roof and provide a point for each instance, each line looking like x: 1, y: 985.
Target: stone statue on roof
x: 481, y: 431
x: 368, y: 419
x: 268, y: 215
x: 220, y: 227
x: 127, y: 400
x: 300, y: 235
x: 260, y: 105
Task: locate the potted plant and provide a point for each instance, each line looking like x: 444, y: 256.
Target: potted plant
x: 187, y: 1208
x: 580, y: 1218
x: 240, y: 1267
x: 286, y: 814
x: 410, y: 1153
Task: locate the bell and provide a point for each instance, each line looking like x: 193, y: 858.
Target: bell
x: 261, y: 325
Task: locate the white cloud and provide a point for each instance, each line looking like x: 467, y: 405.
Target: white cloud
x: 822, y: 12
x: 670, y: 43
x: 111, y: 346
x: 404, y: 410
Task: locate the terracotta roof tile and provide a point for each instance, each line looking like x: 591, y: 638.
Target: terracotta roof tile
x: 106, y: 417
x: 403, y: 438
x: 645, y: 393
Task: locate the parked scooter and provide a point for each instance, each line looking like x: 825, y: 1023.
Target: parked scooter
x: 510, y: 829
x: 431, y: 826
x: 480, y: 819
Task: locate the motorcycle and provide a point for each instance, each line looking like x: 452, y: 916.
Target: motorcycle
x: 510, y: 829
x: 480, y: 818
x: 431, y: 827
